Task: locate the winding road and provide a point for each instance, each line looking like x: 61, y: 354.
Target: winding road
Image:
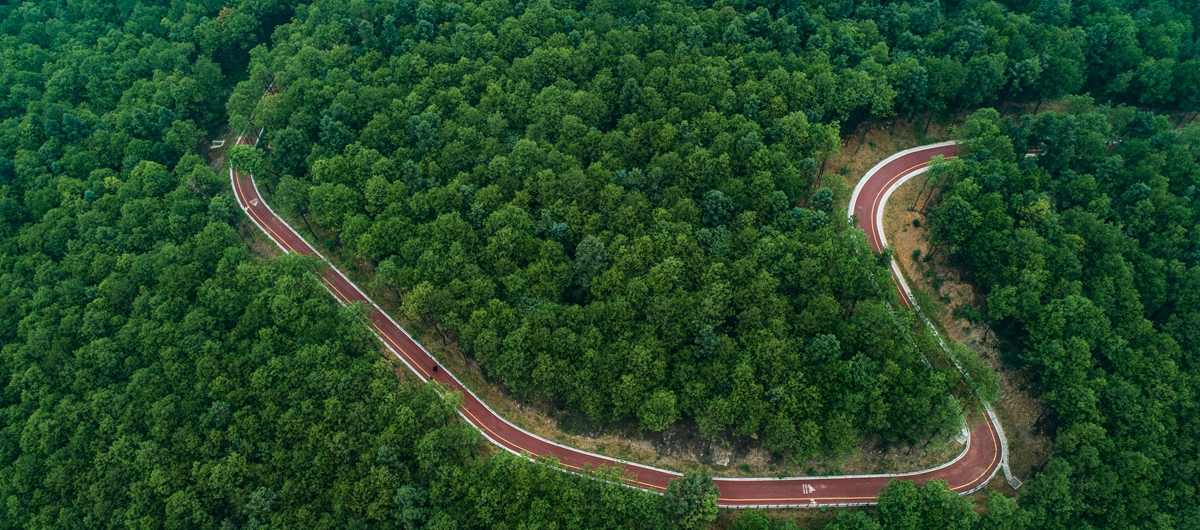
x: 969, y: 471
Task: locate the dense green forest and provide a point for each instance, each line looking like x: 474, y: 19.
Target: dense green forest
x: 155, y: 374
x: 615, y: 206
x: 1090, y: 257
x: 594, y: 212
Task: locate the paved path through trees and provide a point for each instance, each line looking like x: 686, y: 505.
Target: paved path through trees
x: 968, y: 472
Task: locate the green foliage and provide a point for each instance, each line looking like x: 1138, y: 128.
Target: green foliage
x: 153, y: 373
x: 590, y: 260
x: 823, y: 199
x: 1088, y: 255
x: 245, y: 158
x: 757, y: 519
x: 1003, y: 513
x: 691, y: 501
x: 603, y: 209
x: 507, y: 491
x: 986, y: 382
x: 904, y: 505
x: 846, y: 520
x: 601, y: 202
x: 754, y: 519
x: 659, y: 411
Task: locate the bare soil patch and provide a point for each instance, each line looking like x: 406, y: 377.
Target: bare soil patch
x: 216, y: 155
x: 882, y: 139
x: 1021, y: 414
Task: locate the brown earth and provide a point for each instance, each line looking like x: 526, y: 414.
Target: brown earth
x: 861, y: 152
x: 1018, y: 409
x: 216, y: 155
x: 682, y: 447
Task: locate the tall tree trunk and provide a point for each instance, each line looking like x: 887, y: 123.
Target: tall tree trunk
x: 1012, y: 321
x: 927, y: 122
x: 429, y: 321
x: 928, y: 185
x: 1039, y: 105
x: 442, y: 333
x: 310, y: 229
x: 932, y: 186
x: 928, y: 198
x: 924, y: 182
x: 863, y: 138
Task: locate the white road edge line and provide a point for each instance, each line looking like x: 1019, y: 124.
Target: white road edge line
x: 857, y: 189
x: 1004, y: 464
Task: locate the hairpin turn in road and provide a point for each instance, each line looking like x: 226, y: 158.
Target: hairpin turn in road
x: 968, y: 472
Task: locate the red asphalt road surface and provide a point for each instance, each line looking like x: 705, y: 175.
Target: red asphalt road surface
x: 968, y: 472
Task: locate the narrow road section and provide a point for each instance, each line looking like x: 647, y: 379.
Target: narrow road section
x: 968, y: 472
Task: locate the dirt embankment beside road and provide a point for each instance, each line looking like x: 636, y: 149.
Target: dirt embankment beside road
x: 959, y: 307
x: 680, y: 447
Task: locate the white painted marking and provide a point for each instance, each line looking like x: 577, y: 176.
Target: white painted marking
x: 806, y: 489
x: 253, y: 202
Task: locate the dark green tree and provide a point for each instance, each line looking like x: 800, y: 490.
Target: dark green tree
x: 691, y: 501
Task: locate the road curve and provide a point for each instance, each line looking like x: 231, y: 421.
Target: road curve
x: 968, y: 472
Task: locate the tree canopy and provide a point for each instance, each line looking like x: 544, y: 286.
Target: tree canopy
x: 614, y: 206
x: 620, y: 211
x: 1090, y: 257
x: 153, y: 372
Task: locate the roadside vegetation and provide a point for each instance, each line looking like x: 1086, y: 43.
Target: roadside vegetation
x: 619, y: 208
x: 157, y: 375
x: 1089, y: 255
